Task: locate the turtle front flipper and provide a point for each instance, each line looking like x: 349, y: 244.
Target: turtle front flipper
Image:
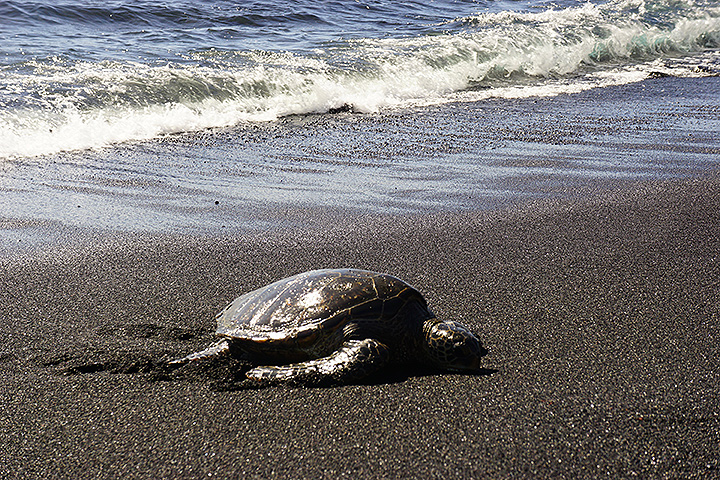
x: 354, y: 360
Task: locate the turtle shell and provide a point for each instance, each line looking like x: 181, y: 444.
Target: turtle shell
x: 309, y: 312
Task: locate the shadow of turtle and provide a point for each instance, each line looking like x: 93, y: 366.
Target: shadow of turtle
x: 388, y: 376
x: 220, y: 373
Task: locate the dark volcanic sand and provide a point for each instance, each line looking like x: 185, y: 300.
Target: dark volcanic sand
x: 601, y: 318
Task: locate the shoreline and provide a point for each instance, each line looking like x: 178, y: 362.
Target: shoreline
x: 488, y: 155
x: 601, y: 317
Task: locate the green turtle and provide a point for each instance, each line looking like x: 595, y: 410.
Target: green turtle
x: 338, y: 326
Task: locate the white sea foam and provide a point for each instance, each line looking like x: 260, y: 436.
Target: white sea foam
x: 57, y: 105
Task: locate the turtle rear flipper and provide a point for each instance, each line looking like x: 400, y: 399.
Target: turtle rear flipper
x: 354, y: 360
x: 216, y: 349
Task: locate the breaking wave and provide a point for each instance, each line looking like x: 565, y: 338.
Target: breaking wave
x: 61, y: 102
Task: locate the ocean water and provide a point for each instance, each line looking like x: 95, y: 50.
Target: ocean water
x: 82, y: 75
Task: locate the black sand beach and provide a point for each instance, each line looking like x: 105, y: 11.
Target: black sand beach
x: 600, y: 313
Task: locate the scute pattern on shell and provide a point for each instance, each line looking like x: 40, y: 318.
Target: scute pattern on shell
x: 313, y: 301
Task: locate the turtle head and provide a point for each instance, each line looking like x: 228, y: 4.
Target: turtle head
x: 452, y: 346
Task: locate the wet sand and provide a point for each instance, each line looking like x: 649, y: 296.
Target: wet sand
x: 601, y: 316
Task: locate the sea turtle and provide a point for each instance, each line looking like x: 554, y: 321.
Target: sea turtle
x: 338, y: 326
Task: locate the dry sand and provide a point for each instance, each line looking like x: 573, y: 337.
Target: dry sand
x: 601, y: 318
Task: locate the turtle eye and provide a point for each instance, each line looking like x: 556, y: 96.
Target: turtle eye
x: 459, y: 340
